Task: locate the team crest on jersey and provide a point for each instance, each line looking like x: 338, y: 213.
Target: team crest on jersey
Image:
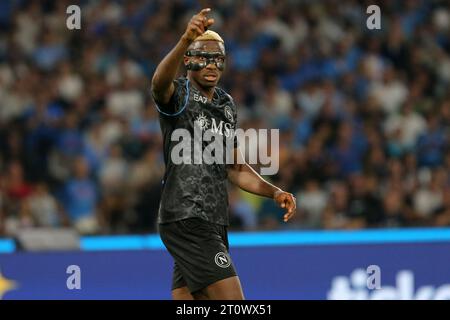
x: 202, y: 121
x: 229, y: 113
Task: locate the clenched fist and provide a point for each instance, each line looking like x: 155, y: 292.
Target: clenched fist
x: 198, y: 24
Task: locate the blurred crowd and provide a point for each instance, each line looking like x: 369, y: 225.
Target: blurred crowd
x: 364, y: 115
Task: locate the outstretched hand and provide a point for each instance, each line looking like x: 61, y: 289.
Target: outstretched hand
x: 286, y: 201
x: 198, y: 24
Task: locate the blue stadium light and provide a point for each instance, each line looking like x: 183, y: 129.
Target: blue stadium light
x: 286, y: 238
x: 95, y: 243
x: 7, y: 246
x: 271, y: 238
x: 281, y: 238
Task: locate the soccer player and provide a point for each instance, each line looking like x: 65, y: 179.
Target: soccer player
x: 193, y: 214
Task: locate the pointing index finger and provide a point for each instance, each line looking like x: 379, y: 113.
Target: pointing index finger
x: 204, y: 12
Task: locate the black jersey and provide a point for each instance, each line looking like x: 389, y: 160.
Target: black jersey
x: 195, y: 190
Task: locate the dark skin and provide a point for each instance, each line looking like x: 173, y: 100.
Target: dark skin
x: 240, y: 173
x: 205, y: 79
x: 165, y: 73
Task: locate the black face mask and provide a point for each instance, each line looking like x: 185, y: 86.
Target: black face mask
x: 216, y: 58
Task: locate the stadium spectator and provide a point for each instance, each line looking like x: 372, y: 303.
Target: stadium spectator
x: 80, y: 199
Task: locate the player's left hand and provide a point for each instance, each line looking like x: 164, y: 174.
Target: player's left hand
x: 287, y: 201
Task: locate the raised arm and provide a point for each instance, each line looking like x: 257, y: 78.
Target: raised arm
x: 242, y: 175
x: 162, y: 81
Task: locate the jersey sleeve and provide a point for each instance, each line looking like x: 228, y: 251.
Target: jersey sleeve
x: 178, y: 101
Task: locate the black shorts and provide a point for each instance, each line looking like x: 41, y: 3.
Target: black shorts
x: 200, y: 250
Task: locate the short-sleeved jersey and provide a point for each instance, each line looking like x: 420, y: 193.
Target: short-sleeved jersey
x: 190, y: 189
